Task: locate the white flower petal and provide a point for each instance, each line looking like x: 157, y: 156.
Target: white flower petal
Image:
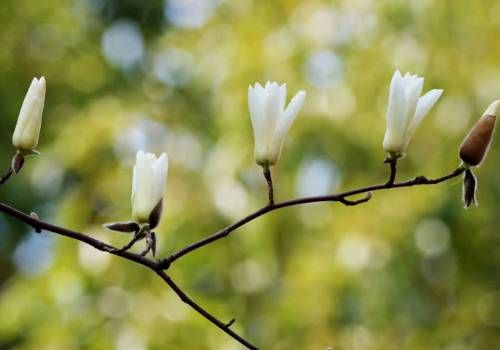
x: 412, y: 94
x: 285, y: 122
x: 396, y: 113
x: 272, y: 111
x: 424, y: 105
x: 282, y: 97
x: 145, y: 191
x: 160, y: 169
x: 258, y: 119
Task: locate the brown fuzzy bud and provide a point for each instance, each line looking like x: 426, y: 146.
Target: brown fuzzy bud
x: 475, y: 146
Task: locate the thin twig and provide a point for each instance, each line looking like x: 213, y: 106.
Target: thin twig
x: 348, y: 202
x: 339, y: 197
x: 266, y: 169
x: 6, y: 176
x: 42, y: 225
x: 16, y: 164
x: 190, y: 302
x: 137, y: 237
x: 393, y: 166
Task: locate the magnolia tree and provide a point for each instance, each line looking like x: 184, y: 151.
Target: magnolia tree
x: 271, y: 120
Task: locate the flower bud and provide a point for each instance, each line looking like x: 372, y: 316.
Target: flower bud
x: 148, y: 187
x: 271, y: 119
x: 406, y: 110
x: 475, y: 146
x: 25, y: 137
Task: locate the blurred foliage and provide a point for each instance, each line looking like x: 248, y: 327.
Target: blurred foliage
x: 411, y: 269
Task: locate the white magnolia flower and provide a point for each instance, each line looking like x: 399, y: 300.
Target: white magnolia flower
x: 270, y: 119
x: 148, y: 184
x: 406, y: 110
x: 25, y: 137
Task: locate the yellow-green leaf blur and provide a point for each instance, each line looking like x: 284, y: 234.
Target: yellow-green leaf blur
x: 408, y: 270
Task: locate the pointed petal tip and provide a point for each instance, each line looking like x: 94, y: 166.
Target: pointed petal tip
x: 301, y: 94
x: 163, y: 156
x: 493, y: 109
x: 396, y: 77
x: 140, y: 154
x: 434, y: 93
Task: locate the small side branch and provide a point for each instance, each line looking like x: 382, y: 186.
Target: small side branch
x: 15, y: 167
x: 38, y: 224
x: 339, y: 197
x: 137, y: 237
x: 393, y: 166
x: 225, y: 327
x: 230, y: 323
x: 348, y: 202
x: 266, y: 169
x: 6, y: 176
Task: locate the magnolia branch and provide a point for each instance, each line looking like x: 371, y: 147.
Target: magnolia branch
x: 339, y: 197
x: 158, y: 266
x: 271, y: 119
x: 154, y: 265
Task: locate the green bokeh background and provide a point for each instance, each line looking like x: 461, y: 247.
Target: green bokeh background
x: 411, y: 269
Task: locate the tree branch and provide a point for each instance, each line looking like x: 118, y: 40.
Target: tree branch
x: 190, y: 302
x: 137, y: 258
x: 339, y: 197
x: 159, y: 266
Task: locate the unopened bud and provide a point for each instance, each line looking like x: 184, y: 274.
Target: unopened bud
x: 475, y: 146
x: 28, y: 125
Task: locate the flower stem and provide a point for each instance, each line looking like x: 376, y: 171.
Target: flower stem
x: 266, y: 169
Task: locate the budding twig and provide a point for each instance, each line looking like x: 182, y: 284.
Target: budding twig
x: 158, y: 266
x: 339, y: 197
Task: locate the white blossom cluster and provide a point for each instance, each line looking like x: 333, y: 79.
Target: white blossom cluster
x: 271, y: 120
